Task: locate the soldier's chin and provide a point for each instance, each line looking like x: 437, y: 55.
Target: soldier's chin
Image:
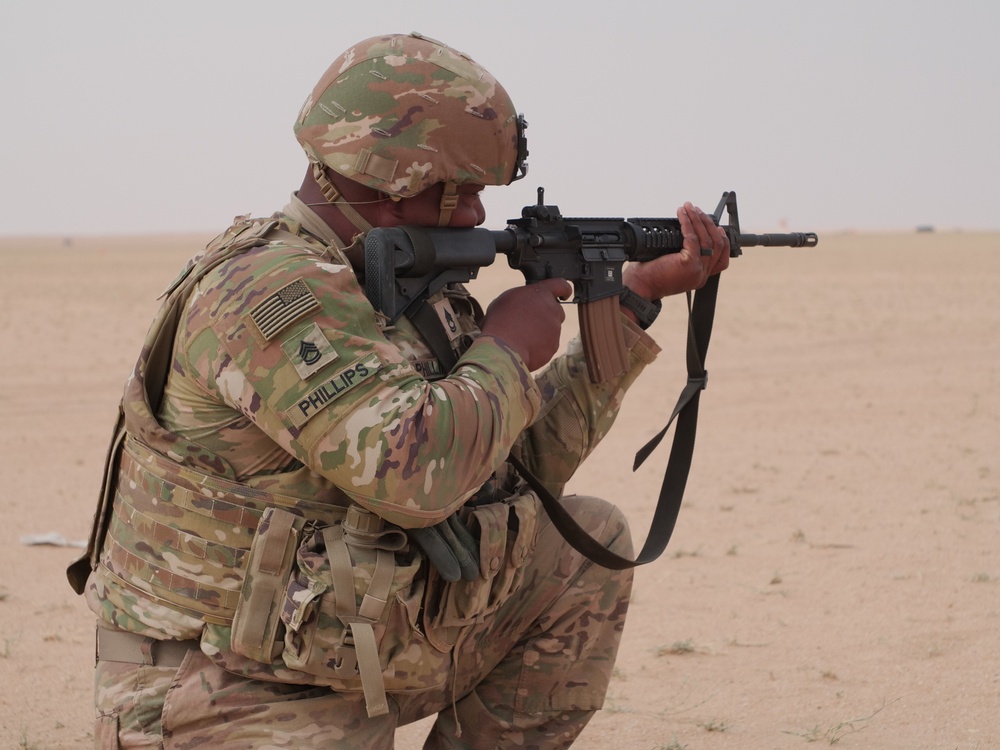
x: 467, y: 216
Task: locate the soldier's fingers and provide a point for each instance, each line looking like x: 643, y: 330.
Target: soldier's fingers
x: 686, y: 217
x: 711, y: 233
x: 699, y: 230
x: 560, y: 288
x: 721, y: 258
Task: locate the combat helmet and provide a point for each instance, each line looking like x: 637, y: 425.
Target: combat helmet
x: 400, y: 113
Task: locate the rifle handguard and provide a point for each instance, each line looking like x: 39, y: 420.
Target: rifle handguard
x: 603, y: 339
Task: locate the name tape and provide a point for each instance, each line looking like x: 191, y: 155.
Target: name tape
x: 337, y: 384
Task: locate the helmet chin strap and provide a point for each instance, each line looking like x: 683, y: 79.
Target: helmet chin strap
x: 336, y: 199
x: 447, y: 206
x: 449, y: 202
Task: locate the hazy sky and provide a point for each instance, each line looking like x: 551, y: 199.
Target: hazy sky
x: 124, y: 117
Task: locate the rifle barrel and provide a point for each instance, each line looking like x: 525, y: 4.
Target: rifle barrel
x: 792, y: 239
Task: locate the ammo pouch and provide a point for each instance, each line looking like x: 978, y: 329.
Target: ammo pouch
x: 339, y: 603
x: 342, y: 605
x: 507, y: 531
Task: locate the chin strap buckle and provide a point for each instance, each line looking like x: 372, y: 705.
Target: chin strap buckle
x: 449, y: 202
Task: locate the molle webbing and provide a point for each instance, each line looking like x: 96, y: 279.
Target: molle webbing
x: 144, y: 392
x: 363, y: 658
x: 182, y: 537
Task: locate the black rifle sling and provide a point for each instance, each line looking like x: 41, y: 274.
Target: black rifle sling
x: 426, y: 320
x: 422, y: 314
x: 701, y: 314
x: 700, y: 317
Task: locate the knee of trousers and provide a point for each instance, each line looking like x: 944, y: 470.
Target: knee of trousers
x: 604, y: 521
x: 568, y: 660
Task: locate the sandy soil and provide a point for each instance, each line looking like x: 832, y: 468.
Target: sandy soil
x: 835, y: 573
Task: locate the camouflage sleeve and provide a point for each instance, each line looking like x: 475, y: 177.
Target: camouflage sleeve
x: 291, y: 342
x: 576, y: 414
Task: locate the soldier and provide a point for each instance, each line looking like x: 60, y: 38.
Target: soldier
x: 310, y: 533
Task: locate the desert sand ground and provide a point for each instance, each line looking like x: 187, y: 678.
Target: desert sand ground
x: 834, y: 576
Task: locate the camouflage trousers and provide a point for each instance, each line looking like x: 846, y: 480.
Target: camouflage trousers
x: 529, y: 676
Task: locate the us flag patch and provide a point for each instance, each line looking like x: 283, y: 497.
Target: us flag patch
x: 285, y: 306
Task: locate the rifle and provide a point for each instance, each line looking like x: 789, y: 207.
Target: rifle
x: 404, y: 265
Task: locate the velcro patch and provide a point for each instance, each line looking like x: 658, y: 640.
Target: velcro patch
x: 448, y: 318
x: 430, y: 369
x: 309, y: 351
x: 284, y: 307
x: 340, y: 382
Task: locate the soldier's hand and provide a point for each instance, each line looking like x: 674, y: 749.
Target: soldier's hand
x: 529, y: 319
x: 690, y: 268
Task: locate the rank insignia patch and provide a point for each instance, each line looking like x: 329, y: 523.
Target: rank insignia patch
x: 282, y: 308
x: 446, y: 313
x: 308, y: 350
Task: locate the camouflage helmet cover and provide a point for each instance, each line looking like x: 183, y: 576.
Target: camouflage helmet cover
x: 400, y: 113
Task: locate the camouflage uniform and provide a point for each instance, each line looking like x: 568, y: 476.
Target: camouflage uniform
x: 291, y: 408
